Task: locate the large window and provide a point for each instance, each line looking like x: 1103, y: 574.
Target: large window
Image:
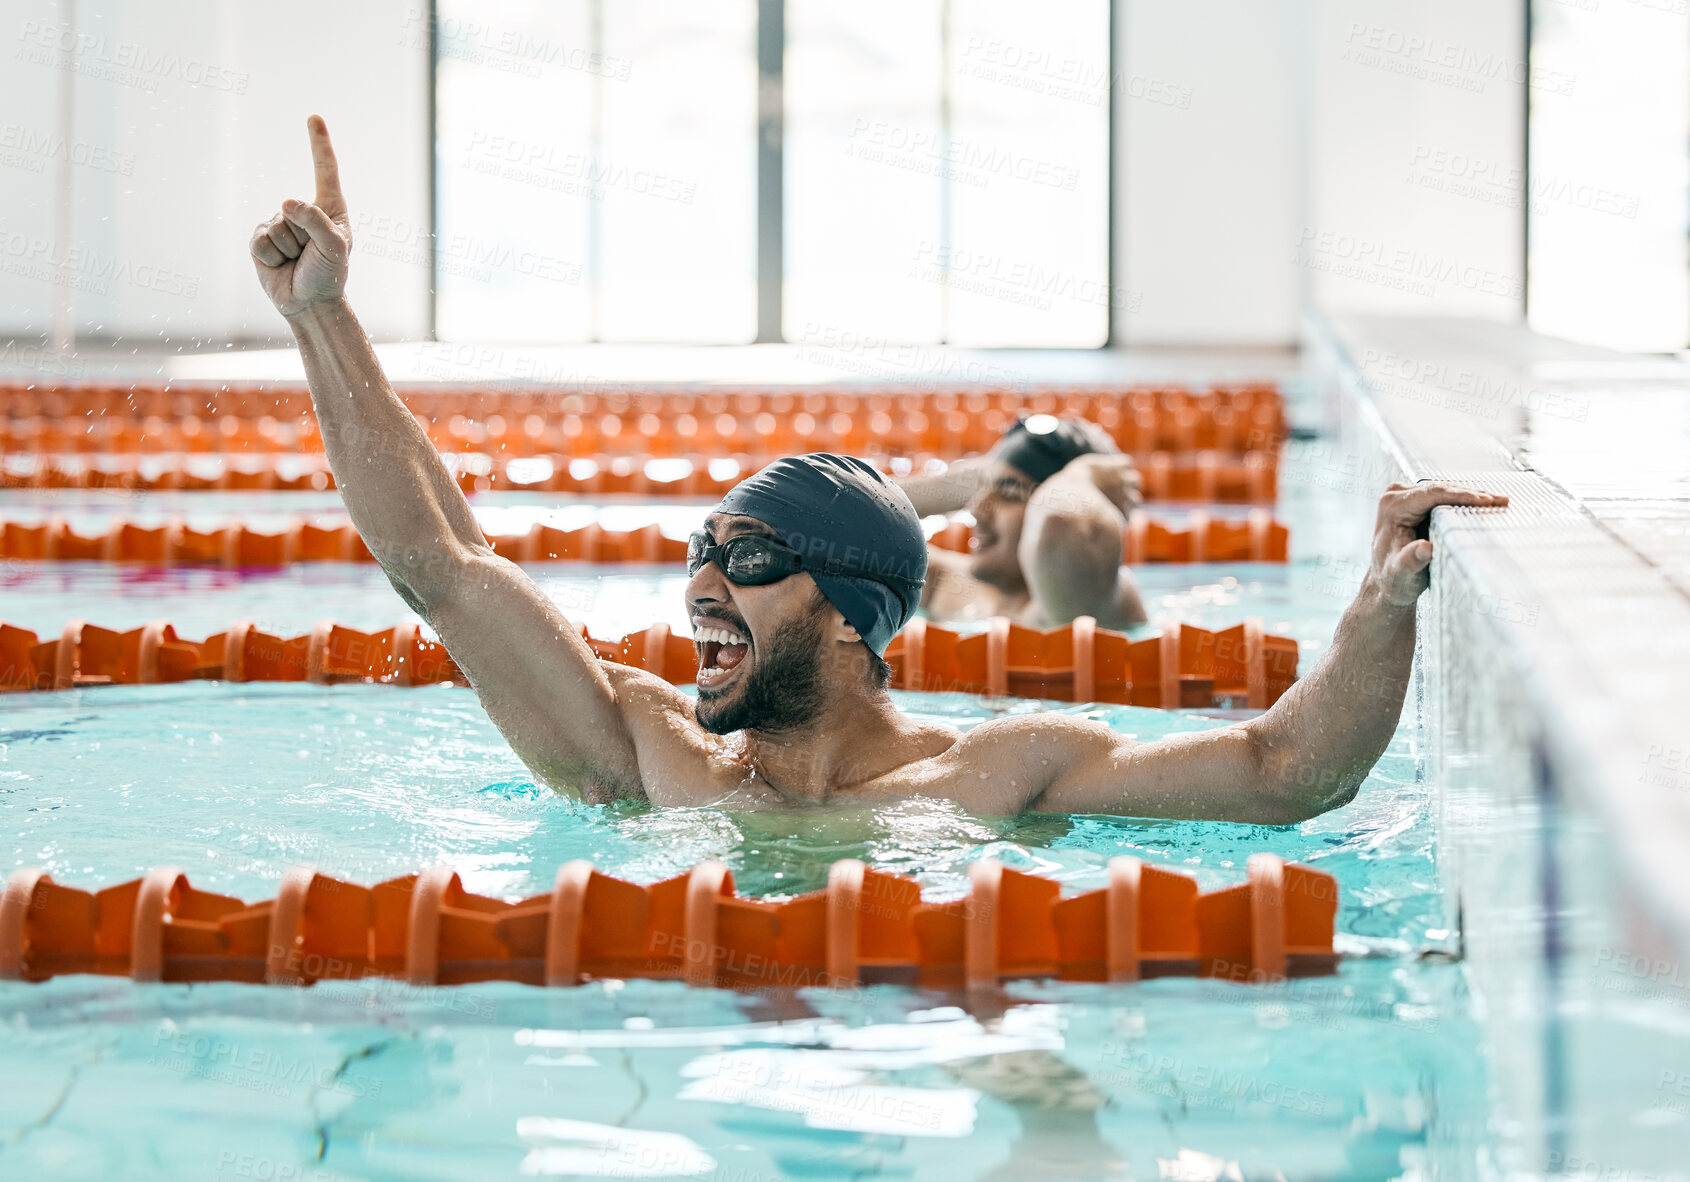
x: 595, y: 170
x: 1606, y: 199
x: 940, y: 173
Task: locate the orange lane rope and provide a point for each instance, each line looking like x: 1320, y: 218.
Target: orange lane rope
x: 1183, y: 667
x: 568, y: 437
x: 1257, y: 537
x: 866, y: 927
x: 944, y: 423
x: 1210, y: 476
x: 1203, y: 538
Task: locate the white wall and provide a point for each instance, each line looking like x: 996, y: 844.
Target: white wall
x: 1416, y: 151
x: 1608, y: 195
x: 189, y: 122
x: 1365, y: 153
x: 26, y: 173
x: 1208, y: 170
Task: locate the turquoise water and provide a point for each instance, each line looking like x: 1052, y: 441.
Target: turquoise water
x: 1371, y: 1074
x: 237, y: 784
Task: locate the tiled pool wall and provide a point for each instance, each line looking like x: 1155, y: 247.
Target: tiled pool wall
x: 1580, y: 990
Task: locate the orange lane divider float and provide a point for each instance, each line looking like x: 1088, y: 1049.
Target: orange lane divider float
x: 1204, y: 538
x: 1257, y: 537
x: 238, y: 545
x: 949, y: 423
x: 633, y: 434
x: 866, y: 927
x: 1184, y: 667
x: 1186, y: 476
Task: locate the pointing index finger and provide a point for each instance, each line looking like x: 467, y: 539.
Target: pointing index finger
x: 329, y: 198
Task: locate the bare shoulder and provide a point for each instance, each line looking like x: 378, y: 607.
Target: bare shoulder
x: 658, y: 715
x: 680, y: 763
x: 1039, y: 736
x: 1004, y: 765
x: 644, y: 689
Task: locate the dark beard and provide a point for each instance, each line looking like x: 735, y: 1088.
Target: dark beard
x: 783, y: 691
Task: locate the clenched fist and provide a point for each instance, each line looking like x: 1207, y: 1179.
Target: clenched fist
x: 301, y: 253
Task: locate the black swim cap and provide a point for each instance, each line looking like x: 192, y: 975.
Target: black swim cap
x: 1041, y: 446
x: 839, y: 508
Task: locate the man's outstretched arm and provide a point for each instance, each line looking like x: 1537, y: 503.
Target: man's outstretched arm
x: 1312, y: 750
x: 537, y: 678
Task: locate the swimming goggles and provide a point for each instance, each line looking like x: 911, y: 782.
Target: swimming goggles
x: 751, y: 560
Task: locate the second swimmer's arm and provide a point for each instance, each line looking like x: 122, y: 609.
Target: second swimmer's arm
x: 1070, y: 549
x: 942, y: 492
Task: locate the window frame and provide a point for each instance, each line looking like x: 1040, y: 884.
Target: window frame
x: 770, y: 236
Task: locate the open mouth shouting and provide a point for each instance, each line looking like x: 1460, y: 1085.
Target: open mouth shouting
x: 721, y: 647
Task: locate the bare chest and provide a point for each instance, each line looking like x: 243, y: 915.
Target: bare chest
x: 732, y: 779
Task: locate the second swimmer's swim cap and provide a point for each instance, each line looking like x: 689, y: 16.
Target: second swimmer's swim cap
x: 1042, y: 445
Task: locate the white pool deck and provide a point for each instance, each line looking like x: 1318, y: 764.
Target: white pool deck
x: 1588, y: 571
x: 1553, y: 709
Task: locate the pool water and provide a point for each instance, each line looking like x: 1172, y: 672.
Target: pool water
x: 1301, y: 599
x: 237, y: 784
x: 1370, y: 1074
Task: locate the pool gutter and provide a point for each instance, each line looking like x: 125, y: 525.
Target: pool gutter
x: 1555, y: 683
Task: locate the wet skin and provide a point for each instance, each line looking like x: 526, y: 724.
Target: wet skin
x: 1041, y: 554
x: 604, y: 731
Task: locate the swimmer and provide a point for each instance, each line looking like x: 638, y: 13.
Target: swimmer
x: 1050, y: 503
x: 799, y: 580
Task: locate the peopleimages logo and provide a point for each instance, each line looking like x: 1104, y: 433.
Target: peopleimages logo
x: 1482, y: 393
x: 1062, y: 76
x: 1200, y: 1084
x: 85, y: 269
x: 463, y: 255
x: 872, y: 562
x: 919, y: 365
x: 1398, y: 266
x: 28, y: 149
x: 580, y: 174
x: 127, y: 63
x: 1449, y: 63
x: 1496, y: 182
x: 259, y: 1068
x: 930, y: 152
x: 1015, y: 281
x: 510, y: 50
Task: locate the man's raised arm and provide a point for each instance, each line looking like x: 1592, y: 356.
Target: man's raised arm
x: 535, y: 675
x: 1312, y: 750
x: 1070, y: 548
